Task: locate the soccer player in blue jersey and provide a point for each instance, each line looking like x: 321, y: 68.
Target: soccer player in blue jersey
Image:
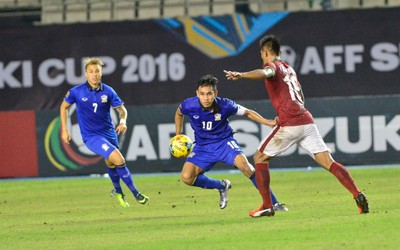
x: 208, y: 115
x: 93, y: 100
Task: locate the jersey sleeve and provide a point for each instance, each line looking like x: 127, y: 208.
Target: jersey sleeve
x: 70, y: 97
x: 230, y: 106
x: 116, y: 101
x: 184, y: 107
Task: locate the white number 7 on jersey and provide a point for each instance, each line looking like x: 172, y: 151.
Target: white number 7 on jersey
x: 95, y: 107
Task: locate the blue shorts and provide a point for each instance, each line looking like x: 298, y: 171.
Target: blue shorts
x: 207, y: 156
x: 102, y: 146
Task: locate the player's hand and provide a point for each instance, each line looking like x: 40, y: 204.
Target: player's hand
x: 272, y: 123
x: 66, y: 136
x: 232, y: 75
x: 121, y: 128
x: 276, y: 121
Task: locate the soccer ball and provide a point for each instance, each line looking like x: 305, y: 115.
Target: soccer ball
x: 180, y: 146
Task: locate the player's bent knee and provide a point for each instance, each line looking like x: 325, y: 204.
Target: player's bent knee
x: 187, y: 179
x: 109, y: 163
x: 117, y: 158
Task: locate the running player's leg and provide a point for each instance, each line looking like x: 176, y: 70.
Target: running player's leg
x: 262, y: 177
x: 117, y: 191
x: 193, y: 175
x: 126, y: 176
x: 112, y: 173
x: 325, y: 160
x: 316, y: 147
x: 277, y: 142
x: 108, y: 149
x: 202, y: 159
x: 242, y: 163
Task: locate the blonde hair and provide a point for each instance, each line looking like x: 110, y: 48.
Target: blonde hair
x: 93, y: 61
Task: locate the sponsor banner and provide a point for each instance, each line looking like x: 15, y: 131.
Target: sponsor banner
x: 18, y: 147
x: 60, y: 159
x: 358, y: 131
x: 159, y: 61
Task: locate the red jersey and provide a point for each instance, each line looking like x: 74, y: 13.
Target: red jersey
x: 286, y: 95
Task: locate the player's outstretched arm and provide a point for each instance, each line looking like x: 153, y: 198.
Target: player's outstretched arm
x: 257, y: 74
x: 65, y: 135
x: 254, y: 116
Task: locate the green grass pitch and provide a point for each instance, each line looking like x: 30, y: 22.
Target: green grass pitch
x: 78, y: 213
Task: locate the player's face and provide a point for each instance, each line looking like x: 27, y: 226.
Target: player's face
x: 93, y: 74
x: 206, y: 95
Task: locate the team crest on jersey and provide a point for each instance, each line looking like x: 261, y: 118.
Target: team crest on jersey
x: 196, y: 117
x: 104, y: 98
x: 105, y: 147
x: 84, y: 99
x: 217, y: 117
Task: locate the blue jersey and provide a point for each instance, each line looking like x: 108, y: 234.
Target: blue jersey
x: 93, y: 110
x: 209, y: 126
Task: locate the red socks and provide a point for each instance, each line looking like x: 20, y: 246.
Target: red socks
x: 337, y: 169
x: 344, y: 177
x: 263, y: 180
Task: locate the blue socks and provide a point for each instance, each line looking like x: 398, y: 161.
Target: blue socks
x: 125, y: 175
x: 273, y: 197
x: 253, y: 180
x: 112, y: 172
x: 204, y: 181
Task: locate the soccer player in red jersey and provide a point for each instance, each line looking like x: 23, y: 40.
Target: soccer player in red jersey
x: 296, y: 126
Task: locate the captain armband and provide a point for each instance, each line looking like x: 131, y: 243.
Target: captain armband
x: 269, y: 72
x: 241, y: 110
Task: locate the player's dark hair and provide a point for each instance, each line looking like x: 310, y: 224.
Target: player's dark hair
x: 272, y: 43
x: 208, y: 80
